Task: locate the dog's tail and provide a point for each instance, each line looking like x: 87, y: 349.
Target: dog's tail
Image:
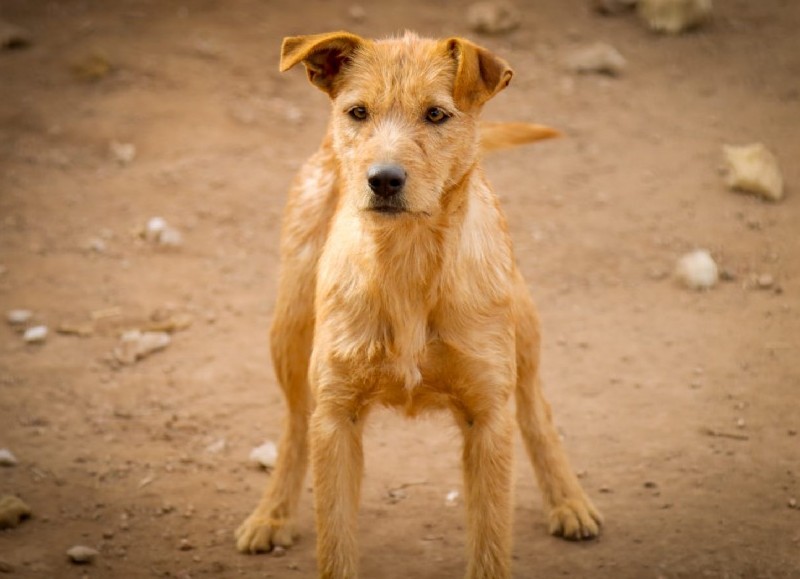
x: 495, y: 136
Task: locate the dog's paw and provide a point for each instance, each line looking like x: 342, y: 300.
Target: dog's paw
x: 260, y: 534
x: 575, y: 520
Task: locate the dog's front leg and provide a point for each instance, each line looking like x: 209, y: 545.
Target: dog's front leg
x: 488, y: 461
x: 338, y: 463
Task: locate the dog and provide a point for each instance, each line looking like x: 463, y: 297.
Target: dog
x: 398, y: 287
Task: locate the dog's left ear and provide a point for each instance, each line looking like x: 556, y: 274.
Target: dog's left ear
x: 479, y: 74
x: 322, y: 54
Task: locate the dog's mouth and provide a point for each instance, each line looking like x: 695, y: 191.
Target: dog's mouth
x: 386, y: 206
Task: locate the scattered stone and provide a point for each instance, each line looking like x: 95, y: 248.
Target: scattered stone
x: 674, y: 16
x: 611, y: 7
x: 217, y: 446
x: 740, y: 423
x: 122, y: 153
x: 12, y: 511
x: 792, y: 503
x: 19, y: 317
x: 13, y: 36
x: 357, y: 13
x: 82, y: 555
x: 169, y: 322
x: 266, y: 455
x: 135, y: 345
x: 726, y: 274
x: 35, y: 334
x: 159, y: 232
x: 84, y: 330
x: 606, y: 490
x: 451, y: 499
x: 6, y: 567
x: 650, y: 485
x: 278, y: 551
x: 765, y: 281
x: 91, y: 68
x: 396, y: 495
x: 185, y: 545
x: 493, y: 17
x: 599, y: 58
x: 754, y: 169
x: 697, y: 270
x: 7, y: 458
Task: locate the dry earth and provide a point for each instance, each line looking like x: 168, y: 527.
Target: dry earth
x: 680, y: 409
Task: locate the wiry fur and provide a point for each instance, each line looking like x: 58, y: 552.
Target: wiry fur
x: 420, y: 310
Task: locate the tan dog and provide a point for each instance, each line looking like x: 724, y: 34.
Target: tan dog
x: 399, y: 288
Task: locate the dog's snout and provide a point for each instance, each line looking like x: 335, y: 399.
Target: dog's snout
x: 386, y: 180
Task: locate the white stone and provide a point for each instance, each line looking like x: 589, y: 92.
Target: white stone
x: 135, y: 345
x: 217, y: 446
x: 266, y: 455
x: 674, y: 16
x: 697, y: 270
x: 493, y: 17
x: 451, y: 499
x: 7, y: 458
x: 123, y: 153
x: 158, y: 231
x: 19, y: 317
x: 81, y: 554
x: 598, y: 57
x: 35, y: 334
x: 754, y: 169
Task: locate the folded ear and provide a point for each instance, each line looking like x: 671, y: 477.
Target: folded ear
x: 479, y: 74
x: 322, y: 54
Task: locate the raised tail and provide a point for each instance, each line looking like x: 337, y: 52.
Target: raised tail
x: 496, y: 135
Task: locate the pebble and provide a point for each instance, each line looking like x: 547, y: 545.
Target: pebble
x: 82, y: 555
x: 494, y: 17
x: 266, y: 455
x: 753, y: 169
x: 765, y: 281
x: 35, y: 334
x: 217, y: 446
x: 158, y: 231
x: 599, y: 58
x: 122, y: 153
x: 792, y: 503
x: 7, y: 458
x: 697, y: 270
x: 451, y: 499
x: 19, y: 317
x: 135, y: 345
x: 674, y: 16
x: 6, y: 567
x: 357, y: 13
x: 278, y: 551
x: 12, y: 511
x: 13, y: 36
x: 185, y: 545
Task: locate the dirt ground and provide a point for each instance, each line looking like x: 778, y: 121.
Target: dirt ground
x: 679, y: 409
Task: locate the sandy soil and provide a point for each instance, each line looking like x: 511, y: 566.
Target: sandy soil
x: 679, y: 409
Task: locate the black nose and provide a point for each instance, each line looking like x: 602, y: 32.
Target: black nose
x: 386, y: 180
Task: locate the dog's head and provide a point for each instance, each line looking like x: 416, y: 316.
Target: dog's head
x: 405, y: 113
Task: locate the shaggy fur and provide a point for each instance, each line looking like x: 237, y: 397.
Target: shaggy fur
x: 422, y: 308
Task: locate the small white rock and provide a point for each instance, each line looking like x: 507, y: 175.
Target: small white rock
x: 451, y: 499
x: 19, y: 317
x: 36, y: 334
x: 599, y: 58
x: 123, y: 153
x: 674, y: 16
x: 135, y: 345
x: 493, y: 17
x: 82, y: 555
x: 217, y: 446
x: 7, y: 458
x: 753, y: 168
x: 266, y: 455
x: 160, y: 232
x: 697, y: 270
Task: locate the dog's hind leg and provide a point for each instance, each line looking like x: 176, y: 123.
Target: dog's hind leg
x: 292, y: 329
x: 572, y: 514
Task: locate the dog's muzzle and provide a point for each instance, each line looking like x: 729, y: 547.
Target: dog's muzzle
x: 386, y: 180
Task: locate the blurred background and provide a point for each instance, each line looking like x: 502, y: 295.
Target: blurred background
x: 146, y: 148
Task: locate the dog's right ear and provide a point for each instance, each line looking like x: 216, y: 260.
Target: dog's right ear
x: 322, y: 54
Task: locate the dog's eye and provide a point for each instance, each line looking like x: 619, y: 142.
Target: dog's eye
x: 436, y: 115
x: 358, y: 113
